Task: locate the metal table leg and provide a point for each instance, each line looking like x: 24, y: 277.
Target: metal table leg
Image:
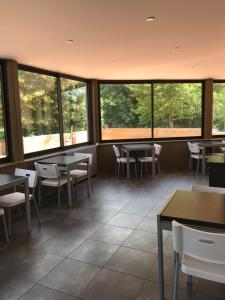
x: 27, y: 202
x: 160, y: 258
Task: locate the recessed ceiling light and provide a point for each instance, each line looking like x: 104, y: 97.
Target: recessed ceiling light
x: 69, y: 41
x: 150, y: 19
x: 176, y: 48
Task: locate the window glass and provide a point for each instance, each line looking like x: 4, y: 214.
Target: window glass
x: 125, y: 111
x: 74, y: 111
x: 39, y: 111
x: 3, y: 151
x: 177, y: 109
x: 218, y: 126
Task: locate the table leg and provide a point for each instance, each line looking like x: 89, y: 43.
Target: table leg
x: 203, y: 160
x: 69, y: 187
x: 27, y: 202
x: 160, y: 259
x: 128, y: 164
x: 153, y: 162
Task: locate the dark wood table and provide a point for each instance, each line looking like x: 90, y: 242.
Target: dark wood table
x: 9, y: 181
x: 68, y: 162
x: 196, y: 209
x: 216, y: 167
x: 127, y: 148
x: 209, y: 144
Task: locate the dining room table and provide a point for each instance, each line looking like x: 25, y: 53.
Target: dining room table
x: 66, y: 163
x: 209, y: 144
x: 195, y: 209
x: 128, y: 148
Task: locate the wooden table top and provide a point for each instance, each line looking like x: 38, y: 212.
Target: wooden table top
x: 196, y: 208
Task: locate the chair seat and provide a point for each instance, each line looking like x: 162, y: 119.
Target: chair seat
x: 123, y: 160
x: 1, y: 211
x: 54, y: 182
x: 78, y: 173
x: 12, y: 199
x: 146, y: 159
x: 202, y: 269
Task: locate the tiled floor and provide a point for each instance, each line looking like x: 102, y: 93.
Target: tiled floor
x: 104, y: 248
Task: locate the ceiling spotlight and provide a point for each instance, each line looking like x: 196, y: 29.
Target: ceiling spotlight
x: 176, y: 48
x: 150, y: 19
x: 69, y: 41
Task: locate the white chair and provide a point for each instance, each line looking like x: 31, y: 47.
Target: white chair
x: 15, y: 199
x: 122, y: 161
x: 195, y: 153
x: 2, y: 214
x: 198, y: 253
x: 148, y: 159
x: 49, y: 173
x: 82, y: 172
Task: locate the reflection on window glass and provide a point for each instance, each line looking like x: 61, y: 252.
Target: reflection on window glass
x: 74, y: 110
x: 39, y: 111
x: 218, y: 126
x: 125, y: 111
x: 177, y: 109
x: 2, y: 127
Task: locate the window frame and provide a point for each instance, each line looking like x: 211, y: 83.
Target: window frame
x: 5, y: 115
x: 216, y: 135
x: 152, y: 82
x: 58, y: 77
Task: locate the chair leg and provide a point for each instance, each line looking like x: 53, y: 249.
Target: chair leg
x: 39, y: 192
x: 118, y: 174
x: 19, y: 210
x: 189, y: 280
x: 36, y: 209
x: 176, y: 277
x: 197, y: 167
x: 135, y: 168
x: 5, y: 229
x: 158, y: 166
x: 116, y: 169
x: 92, y: 186
x: 9, y: 221
x: 59, y: 196
x: 141, y: 169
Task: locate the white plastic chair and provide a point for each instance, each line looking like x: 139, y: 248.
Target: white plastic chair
x: 15, y: 199
x: 195, y: 153
x: 50, y: 177
x: 120, y: 160
x: 198, y: 253
x: 149, y: 159
x: 82, y: 171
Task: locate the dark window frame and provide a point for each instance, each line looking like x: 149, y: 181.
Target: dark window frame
x: 5, y: 119
x: 58, y: 77
x: 152, y: 82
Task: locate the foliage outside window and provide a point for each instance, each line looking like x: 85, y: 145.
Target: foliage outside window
x: 218, y: 126
x: 39, y: 111
x: 177, y: 109
x: 126, y: 110
x: 74, y: 111
x: 3, y: 152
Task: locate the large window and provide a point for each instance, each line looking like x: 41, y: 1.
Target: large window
x: 177, y: 109
x: 125, y: 111
x: 218, y: 126
x: 130, y: 111
x: 3, y: 151
x: 44, y: 126
x: 74, y: 111
x: 39, y: 110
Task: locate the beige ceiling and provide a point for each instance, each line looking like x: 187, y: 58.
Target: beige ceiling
x: 112, y: 39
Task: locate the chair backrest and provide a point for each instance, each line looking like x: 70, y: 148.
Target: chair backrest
x: 158, y: 149
x: 208, y: 189
x: 31, y: 174
x: 193, y: 147
x: 202, y: 245
x: 47, y: 170
x: 89, y: 155
x: 116, y: 151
